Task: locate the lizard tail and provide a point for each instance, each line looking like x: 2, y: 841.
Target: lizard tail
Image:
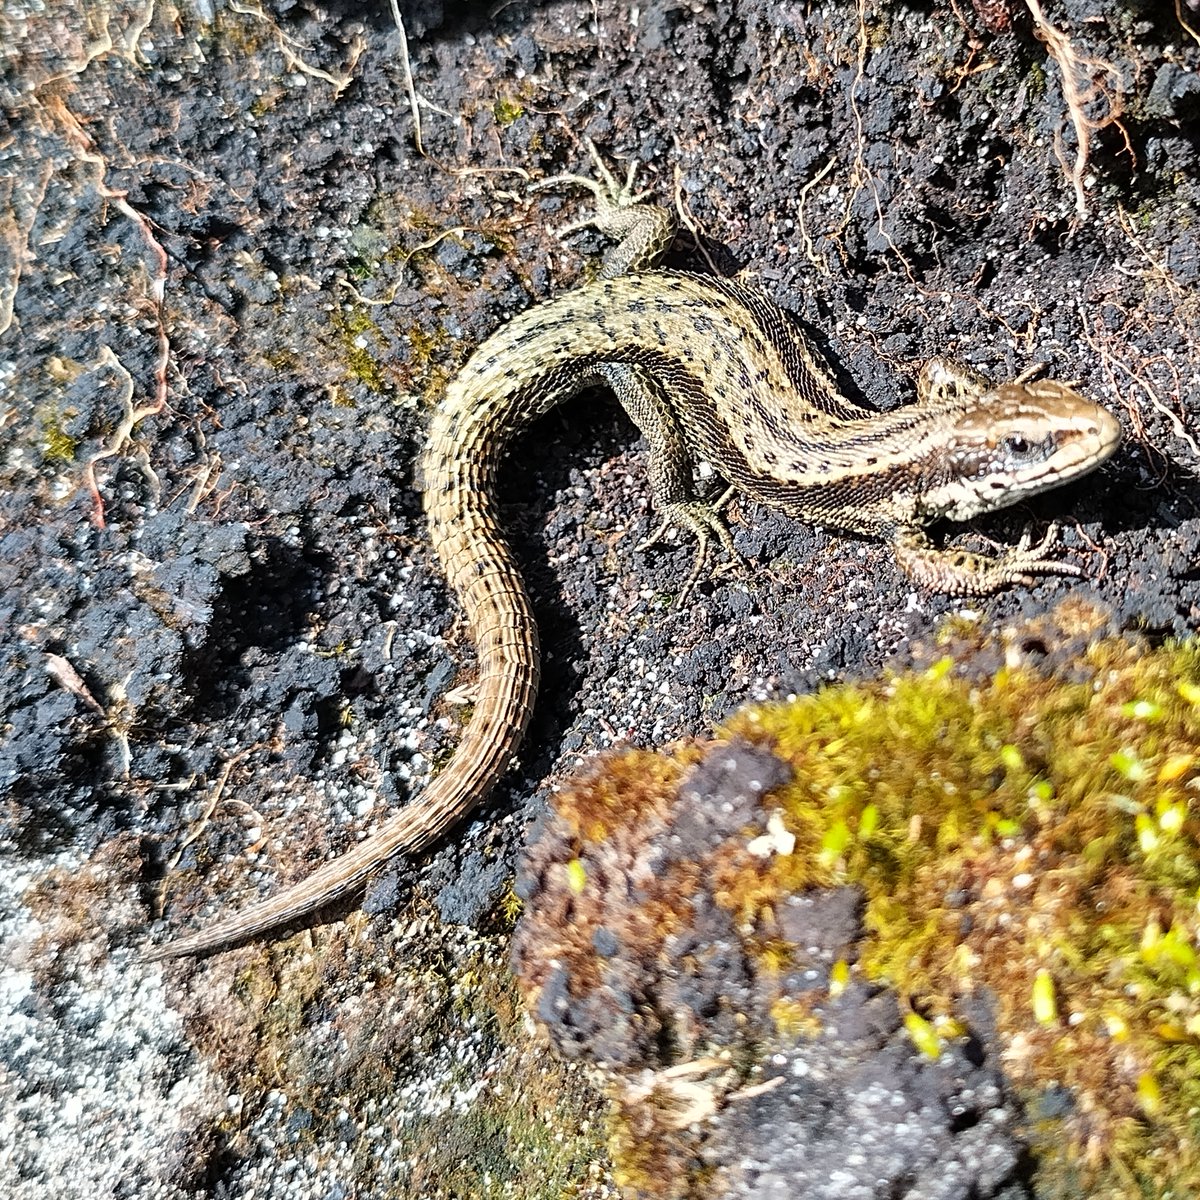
x: 459, y: 470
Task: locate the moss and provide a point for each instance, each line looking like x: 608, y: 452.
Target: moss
x: 424, y: 346
x: 1030, y: 834
x: 1019, y: 818
x: 267, y: 101
x: 508, y: 909
x: 58, y: 446
x: 877, y: 30
x: 427, y: 368
x: 506, y: 110
x: 285, y: 360
x: 362, y: 344
x: 531, y: 1132
x: 794, y: 1017
x: 240, y: 36
x: 1035, y: 79
x: 635, y: 786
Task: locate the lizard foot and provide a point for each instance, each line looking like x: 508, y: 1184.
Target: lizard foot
x: 963, y: 573
x: 609, y: 191
x: 644, y: 230
x: 703, y: 519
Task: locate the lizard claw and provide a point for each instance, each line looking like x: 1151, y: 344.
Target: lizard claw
x: 702, y: 519
x: 619, y: 213
x: 963, y: 573
x: 1025, y: 560
x: 609, y: 191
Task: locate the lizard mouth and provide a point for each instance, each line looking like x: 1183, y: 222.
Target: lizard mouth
x: 1082, y: 442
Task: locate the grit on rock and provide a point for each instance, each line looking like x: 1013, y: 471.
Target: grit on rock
x: 230, y: 290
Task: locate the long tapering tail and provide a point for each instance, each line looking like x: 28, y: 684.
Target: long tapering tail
x: 465, y: 441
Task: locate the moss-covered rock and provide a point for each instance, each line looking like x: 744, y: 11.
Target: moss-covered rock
x: 1011, y: 853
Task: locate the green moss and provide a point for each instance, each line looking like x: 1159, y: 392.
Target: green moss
x: 1037, y: 836
x: 509, y: 908
x: 533, y: 1131
x: 877, y: 30
x: 424, y: 346
x: 1035, y: 79
x: 284, y: 360
x: 362, y: 343
x: 506, y: 110
x: 58, y: 446
x: 429, y: 368
x: 1020, y: 819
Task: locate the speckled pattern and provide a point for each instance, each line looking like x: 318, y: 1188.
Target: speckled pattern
x: 262, y: 622
x: 714, y: 374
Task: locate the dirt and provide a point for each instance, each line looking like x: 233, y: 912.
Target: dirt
x: 232, y: 288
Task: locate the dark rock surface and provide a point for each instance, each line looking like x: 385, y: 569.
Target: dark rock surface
x: 230, y: 287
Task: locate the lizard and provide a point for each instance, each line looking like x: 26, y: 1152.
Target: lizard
x: 712, y: 372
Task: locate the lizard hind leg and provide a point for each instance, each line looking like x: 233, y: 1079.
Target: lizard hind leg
x: 703, y: 519
x: 609, y: 191
x: 671, y: 466
x: 643, y: 231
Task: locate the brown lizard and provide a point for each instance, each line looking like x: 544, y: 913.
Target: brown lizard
x: 711, y: 372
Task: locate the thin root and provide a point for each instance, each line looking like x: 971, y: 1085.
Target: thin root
x: 1084, y: 81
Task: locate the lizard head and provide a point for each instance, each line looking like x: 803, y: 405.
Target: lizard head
x: 1016, y: 440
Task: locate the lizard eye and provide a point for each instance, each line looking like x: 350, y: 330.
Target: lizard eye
x: 1020, y: 448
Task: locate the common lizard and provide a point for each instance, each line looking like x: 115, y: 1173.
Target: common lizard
x: 711, y: 372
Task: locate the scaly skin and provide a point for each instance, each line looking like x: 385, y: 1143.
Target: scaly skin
x: 711, y: 372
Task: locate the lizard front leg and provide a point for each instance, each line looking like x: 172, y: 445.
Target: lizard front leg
x: 943, y: 379
x: 963, y: 573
